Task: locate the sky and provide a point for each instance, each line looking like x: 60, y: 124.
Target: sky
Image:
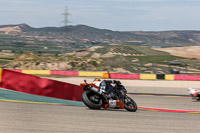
x: 117, y: 15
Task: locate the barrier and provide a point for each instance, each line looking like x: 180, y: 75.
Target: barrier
x: 0, y: 74
x: 169, y: 77
x: 125, y: 76
x: 187, y: 77
x: 148, y: 76
x: 39, y: 86
x: 16, y: 70
x: 67, y: 73
x: 160, y: 76
x: 45, y: 72
x: 106, y: 75
x: 114, y: 75
x: 92, y: 74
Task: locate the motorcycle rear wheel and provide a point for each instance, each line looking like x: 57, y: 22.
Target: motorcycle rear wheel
x: 130, y: 105
x: 87, y: 100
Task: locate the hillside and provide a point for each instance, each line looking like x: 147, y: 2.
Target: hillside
x: 90, y: 49
x: 187, y: 52
x: 125, y: 59
x: 92, y: 36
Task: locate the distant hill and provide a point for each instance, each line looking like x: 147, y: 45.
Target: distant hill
x: 83, y: 33
x: 123, y: 58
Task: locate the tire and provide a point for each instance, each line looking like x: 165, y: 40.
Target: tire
x: 130, y: 105
x: 89, y: 103
x: 197, y: 98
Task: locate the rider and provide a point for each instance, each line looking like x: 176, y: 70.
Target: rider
x: 107, y: 87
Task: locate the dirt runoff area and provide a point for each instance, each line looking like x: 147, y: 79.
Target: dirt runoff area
x: 187, y: 52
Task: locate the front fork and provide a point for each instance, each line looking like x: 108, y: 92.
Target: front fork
x: 104, y: 98
x: 105, y: 104
x: 125, y: 99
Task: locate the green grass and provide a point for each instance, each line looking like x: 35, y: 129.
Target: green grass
x: 36, y: 49
x: 132, y: 49
x: 150, y: 51
x: 151, y: 56
x: 4, y: 36
x: 156, y: 58
x: 4, y: 60
x: 8, y: 59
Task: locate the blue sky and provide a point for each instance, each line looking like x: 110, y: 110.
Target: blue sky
x: 118, y: 15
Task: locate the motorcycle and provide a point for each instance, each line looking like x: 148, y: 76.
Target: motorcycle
x: 96, y: 98
x: 194, y: 93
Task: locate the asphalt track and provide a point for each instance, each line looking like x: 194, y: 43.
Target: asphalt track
x: 22, y: 117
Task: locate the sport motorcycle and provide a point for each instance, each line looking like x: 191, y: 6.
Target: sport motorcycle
x: 194, y: 93
x: 96, y: 98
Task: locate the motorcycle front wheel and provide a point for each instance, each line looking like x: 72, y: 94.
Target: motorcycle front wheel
x: 197, y: 98
x: 91, y: 100
x: 130, y: 104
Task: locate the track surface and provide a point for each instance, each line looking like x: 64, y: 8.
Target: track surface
x: 27, y: 117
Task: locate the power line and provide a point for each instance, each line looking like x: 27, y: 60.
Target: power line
x: 66, y: 14
x: 66, y: 22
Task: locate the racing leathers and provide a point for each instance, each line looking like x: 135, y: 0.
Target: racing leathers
x: 106, y: 86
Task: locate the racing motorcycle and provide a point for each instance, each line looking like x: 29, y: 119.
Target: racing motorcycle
x: 96, y: 98
x: 194, y: 93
